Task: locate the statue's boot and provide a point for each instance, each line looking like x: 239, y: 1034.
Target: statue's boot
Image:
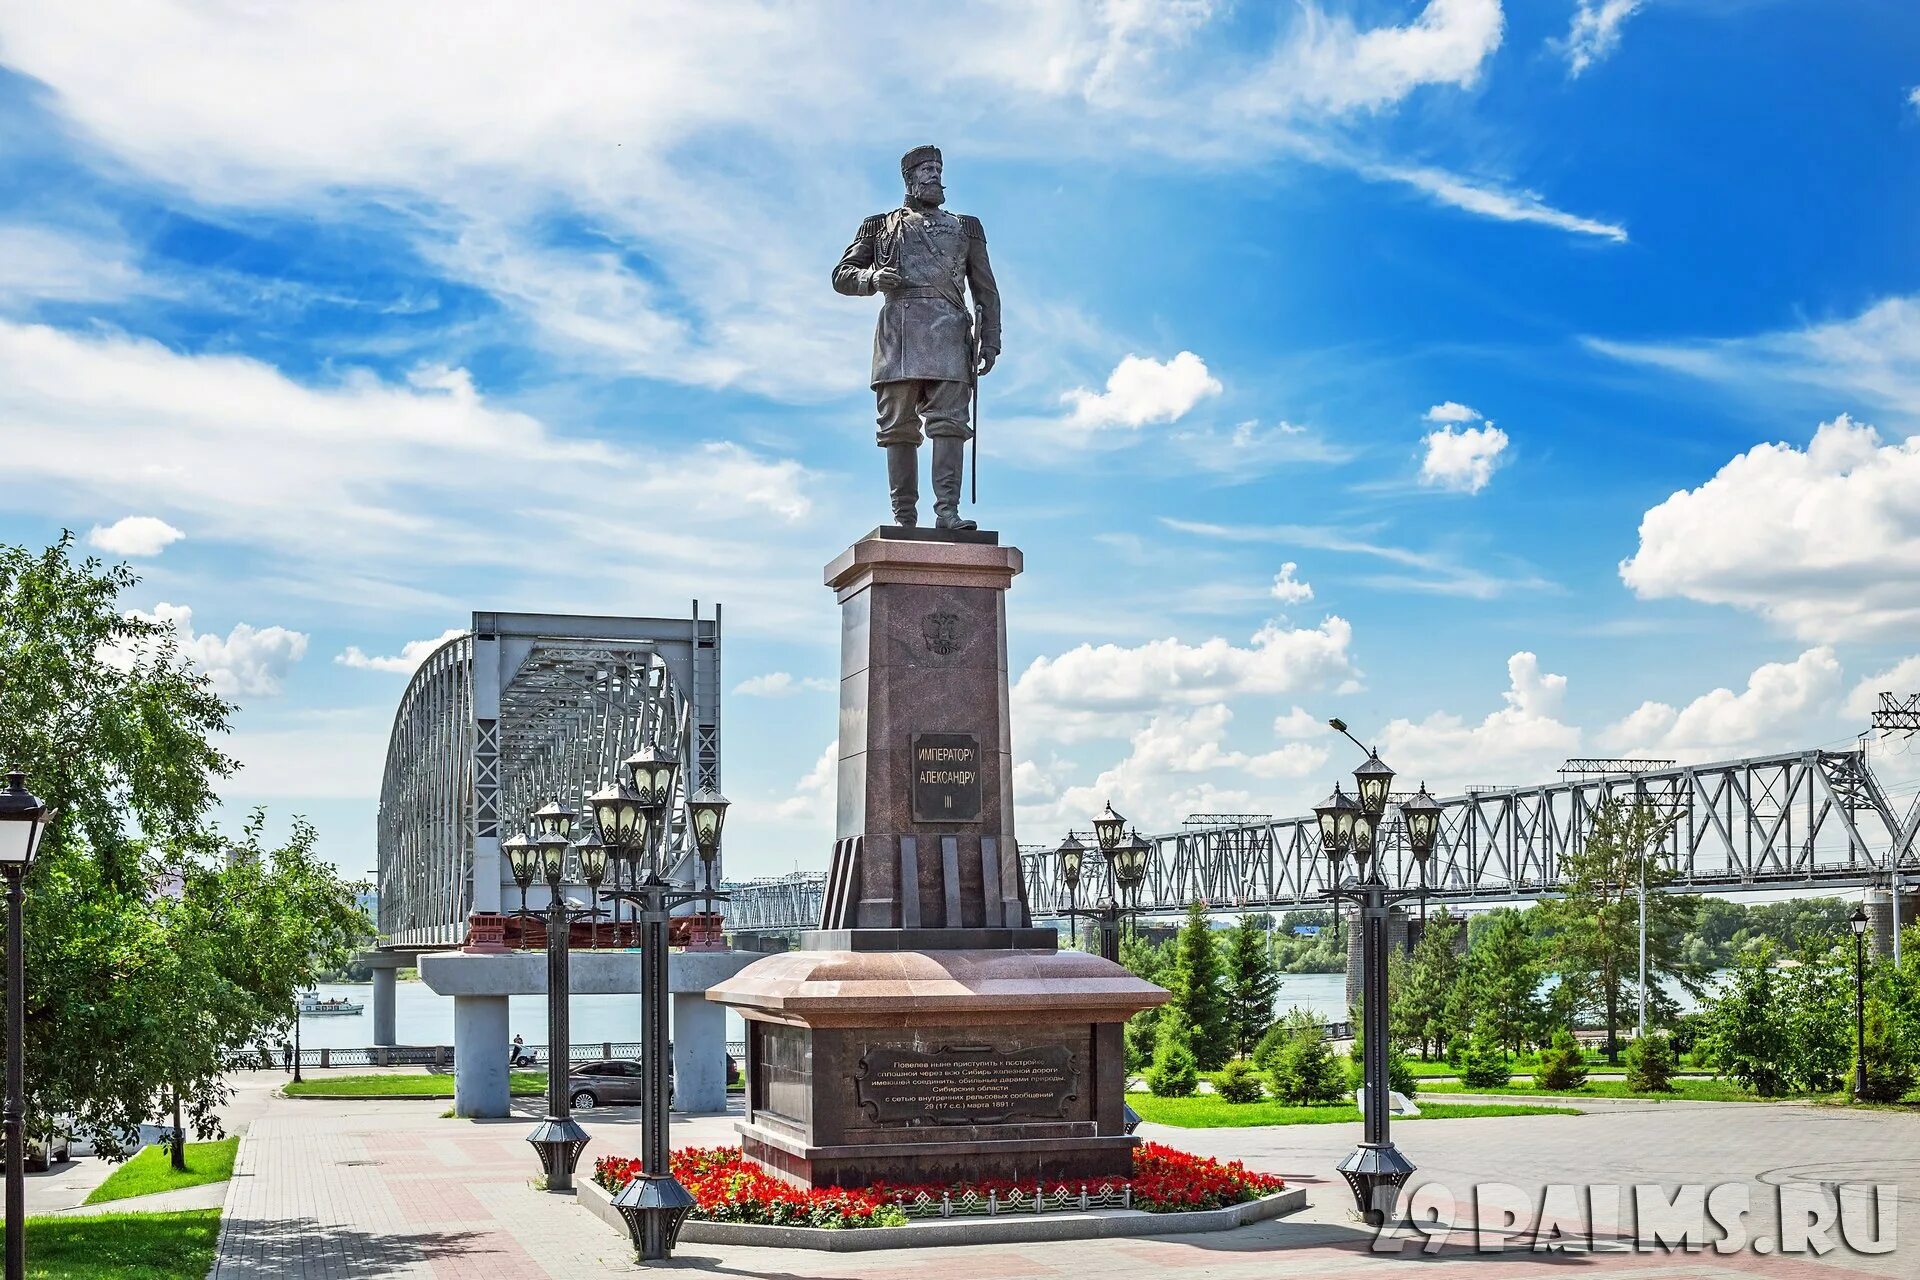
x: 949, y: 459
x: 903, y: 483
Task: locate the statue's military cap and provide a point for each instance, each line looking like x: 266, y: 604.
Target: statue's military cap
x: 917, y: 156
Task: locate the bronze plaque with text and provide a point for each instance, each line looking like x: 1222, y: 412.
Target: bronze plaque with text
x: 946, y: 777
x: 966, y: 1084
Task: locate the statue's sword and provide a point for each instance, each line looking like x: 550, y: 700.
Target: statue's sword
x: 973, y: 408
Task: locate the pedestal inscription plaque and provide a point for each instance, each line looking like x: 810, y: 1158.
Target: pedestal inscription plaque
x: 946, y: 777
x: 966, y: 1084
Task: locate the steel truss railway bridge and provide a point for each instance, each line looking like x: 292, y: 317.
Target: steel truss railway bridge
x: 1806, y: 819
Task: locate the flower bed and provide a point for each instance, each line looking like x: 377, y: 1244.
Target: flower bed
x: 727, y: 1187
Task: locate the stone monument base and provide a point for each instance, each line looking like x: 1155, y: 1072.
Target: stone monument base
x: 872, y: 1063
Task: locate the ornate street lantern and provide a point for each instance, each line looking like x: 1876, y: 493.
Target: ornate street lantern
x: 1374, y: 780
x: 553, y: 858
x: 1071, y: 852
x: 522, y: 859
x: 1858, y: 921
x: 592, y: 853
x: 23, y: 823
x: 707, y: 810
x: 1336, y: 815
x: 652, y: 771
x: 1107, y: 829
x: 618, y: 815
x: 555, y: 820
x: 1363, y: 833
x: 1130, y: 864
x: 1422, y: 815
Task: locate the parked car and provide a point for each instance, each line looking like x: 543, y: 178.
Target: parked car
x: 45, y: 1150
x: 613, y: 1082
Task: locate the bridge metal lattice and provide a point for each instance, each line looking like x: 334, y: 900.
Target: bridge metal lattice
x: 1781, y: 821
x: 524, y: 709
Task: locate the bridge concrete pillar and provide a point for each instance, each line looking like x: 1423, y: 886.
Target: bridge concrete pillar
x: 383, y: 995
x: 1397, y: 940
x: 1879, y: 904
x: 699, y: 1054
x: 480, y: 1080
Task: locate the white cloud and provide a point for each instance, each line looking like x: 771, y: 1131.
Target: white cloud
x: 353, y: 488
x: 46, y: 264
x: 246, y: 662
x: 1901, y: 679
x: 1872, y: 358
x: 1913, y: 97
x: 631, y: 123
x: 1451, y: 411
x: 1248, y: 450
x: 813, y: 795
x: 1595, y: 32
x: 1421, y: 571
x: 1290, y: 590
x: 1298, y: 723
x: 1522, y: 742
x: 1492, y: 201
x: 1089, y: 690
x: 335, y: 754
x: 1462, y: 459
x: 134, y: 536
x: 1823, y: 541
x: 780, y: 684
x: 1141, y: 390
x: 411, y: 655
x: 1722, y: 723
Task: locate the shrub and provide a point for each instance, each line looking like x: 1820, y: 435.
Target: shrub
x: 1239, y: 1082
x: 1305, y: 1071
x: 1888, y: 1074
x: 1457, y: 1051
x: 1562, y: 1066
x: 1650, y: 1064
x: 1174, y: 1074
x: 1486, y: 1065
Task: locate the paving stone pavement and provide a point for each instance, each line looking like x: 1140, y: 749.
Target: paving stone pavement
x: 326, y: 1190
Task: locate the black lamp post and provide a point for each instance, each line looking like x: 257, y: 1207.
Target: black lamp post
x: 524, y: 861
x: 23, y: 823
x: 1375, y: 1170
x: 558, y: 1138
x: 1072, y: 854
x: 1421, y: 814
x: 1858, y: 923
x: 654, y: 1204
x: 1126, y: 866
x: 707, y: 814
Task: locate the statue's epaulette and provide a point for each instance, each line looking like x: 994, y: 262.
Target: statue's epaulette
x: 974, y: 230
x: 870, y: 226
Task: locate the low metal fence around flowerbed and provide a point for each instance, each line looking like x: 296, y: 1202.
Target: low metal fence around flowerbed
x: 727, y: 1187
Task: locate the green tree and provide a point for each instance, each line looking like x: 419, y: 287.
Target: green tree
x: 1174, y: 1073
x: 1303, y: 1070
x: 1252, y: 981
x: 1562, y: 1064
x: 1650, y: 1064
x: 1594, y: 928
x: 1197, y: 981
x: 1748, y: 1035
x: 1151, y: 961
x: 1486, y: 1066
x: 1427, y: 1010
x: 1888, y: 1068
x: 1501, y: 986
x: 133, y: 991
x: 1817, y: 995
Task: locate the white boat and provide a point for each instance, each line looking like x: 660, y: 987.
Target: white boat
x: 323, y: 1008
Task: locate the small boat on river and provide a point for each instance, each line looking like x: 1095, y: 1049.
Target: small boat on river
x: 314, y: 1005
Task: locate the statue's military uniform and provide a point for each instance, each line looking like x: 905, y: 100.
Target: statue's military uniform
x: 924, y: 350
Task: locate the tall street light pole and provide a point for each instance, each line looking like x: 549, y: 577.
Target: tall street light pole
x: 558, y: 1138
x: 23, y: 823
x: 1126, y: 869
x: 1375, y: 1170
x: 1858, y: 923
x: 654, y: 1204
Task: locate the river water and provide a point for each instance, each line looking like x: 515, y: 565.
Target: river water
x: 421, y: 1017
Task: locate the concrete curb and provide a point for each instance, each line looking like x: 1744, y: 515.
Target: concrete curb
x: 1008, y: 1228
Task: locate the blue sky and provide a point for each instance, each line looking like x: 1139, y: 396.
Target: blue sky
x: 1568, y: 352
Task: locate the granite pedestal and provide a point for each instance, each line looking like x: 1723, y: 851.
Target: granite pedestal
x: 927, y: 1032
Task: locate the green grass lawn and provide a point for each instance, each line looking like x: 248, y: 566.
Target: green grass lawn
x: 523, y: 1083
x: 152, y: 1171
x: 1204, y: 1111
x: 123, y: 1246
x: 1690, y: 1088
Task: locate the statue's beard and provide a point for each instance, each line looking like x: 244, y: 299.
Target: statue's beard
x: 931, y: 194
